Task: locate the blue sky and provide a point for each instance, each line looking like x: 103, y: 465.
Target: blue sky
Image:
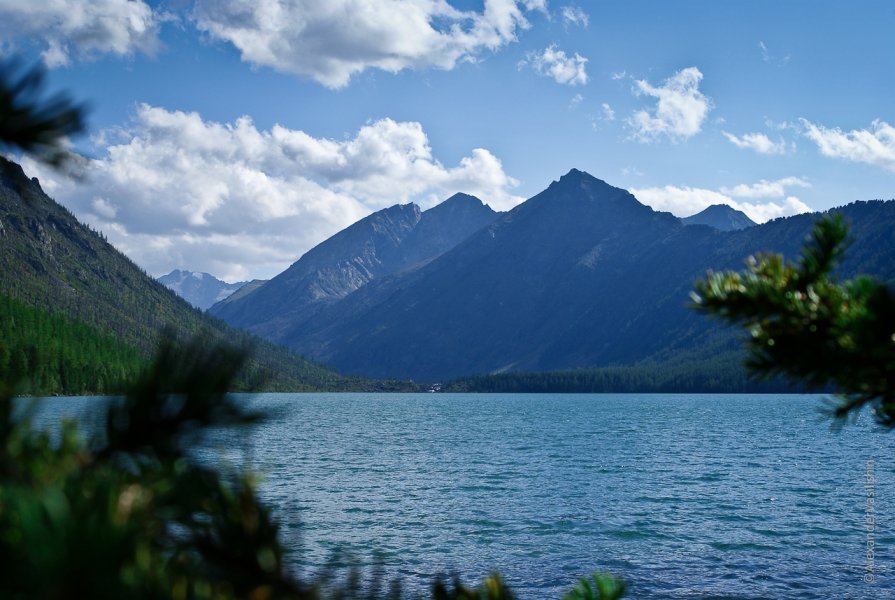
x: 230, y: 136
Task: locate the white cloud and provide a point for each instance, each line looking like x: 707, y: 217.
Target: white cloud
x: 608, y: 113
x: 765, y: 188
x: 618, y: 76
x: 574, y: 15
x: 680, y: 111
x: 874, y: 146
x: 576, y: 100
x: 684, y: 201
x: 332, y: 41
x: 230, y: 199
x: 758, y: 142
x: 569, y: 70
x: 80, y: 28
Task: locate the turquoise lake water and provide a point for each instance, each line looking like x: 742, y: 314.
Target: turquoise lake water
x: 685, y: 496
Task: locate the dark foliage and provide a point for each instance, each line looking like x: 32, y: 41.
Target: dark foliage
x: 34, y: 125
x: 806, y: 326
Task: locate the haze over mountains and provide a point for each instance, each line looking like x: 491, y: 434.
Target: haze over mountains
x: 581, y: 275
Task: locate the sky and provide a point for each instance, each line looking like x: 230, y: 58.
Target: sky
x: 231, y: 136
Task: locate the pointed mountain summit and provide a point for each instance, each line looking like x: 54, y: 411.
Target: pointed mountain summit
x: 721, y: 217
x: 385, y: 242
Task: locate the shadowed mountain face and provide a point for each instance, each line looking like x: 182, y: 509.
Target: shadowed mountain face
x: 199, y: 289
x: 386, y: 242
x: 721, y: 217
x: 581, y: 275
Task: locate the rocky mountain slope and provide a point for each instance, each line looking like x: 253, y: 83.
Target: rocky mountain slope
x: 388, y: 241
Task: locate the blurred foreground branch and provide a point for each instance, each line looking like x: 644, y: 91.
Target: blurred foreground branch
x: 34, y: 125
x: 806, y: 326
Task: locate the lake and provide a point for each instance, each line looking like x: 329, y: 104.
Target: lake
x: 685, y: 496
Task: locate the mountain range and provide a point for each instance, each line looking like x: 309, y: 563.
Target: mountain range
x: 199, y: 289
x: 579, y: 276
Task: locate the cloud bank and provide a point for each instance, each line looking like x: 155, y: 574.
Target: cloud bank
x: 332, y: 41
x: 174, y: 190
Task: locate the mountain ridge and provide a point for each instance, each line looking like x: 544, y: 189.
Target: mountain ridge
x: 385, y: 242
x: 581, y: 275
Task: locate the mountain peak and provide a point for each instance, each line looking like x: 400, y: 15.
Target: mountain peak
x: 459, y: 202
x: 461, y: 198
x: 721, y: 217
x: 577, y: 178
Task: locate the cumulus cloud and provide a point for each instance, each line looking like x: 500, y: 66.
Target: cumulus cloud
x: 551, y: 62
x: 684, y: 201
x: 332, y: 41
x: 80, y: 28
x: 758, y: 142
x: 874, y: 146
x: 174, y: 190
x: 680, y: 109
x: 574, y: 15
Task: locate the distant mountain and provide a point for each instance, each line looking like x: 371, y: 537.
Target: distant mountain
x: 55, y: 264
x: 388, y: 241
x: 199, y: 289
x: 721, y: 217
x: 581, y: 275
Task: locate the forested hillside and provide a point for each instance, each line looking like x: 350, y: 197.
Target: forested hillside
x: 52, y: 262
x: 48, y: 353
